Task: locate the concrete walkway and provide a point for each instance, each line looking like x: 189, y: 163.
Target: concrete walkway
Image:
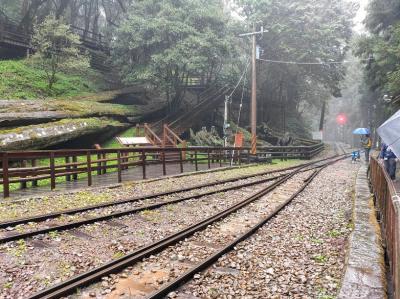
x: 365, y: 267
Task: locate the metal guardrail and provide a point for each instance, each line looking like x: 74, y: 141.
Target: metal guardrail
x: 388, y: 204
x: 23, y: 167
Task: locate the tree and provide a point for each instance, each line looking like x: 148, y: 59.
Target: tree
x: 299, y: 31
x: 168, y: 42
x: 381, y: 50
x: 57, y: 48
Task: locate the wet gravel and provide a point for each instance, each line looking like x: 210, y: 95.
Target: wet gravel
x: 146, y: 276
x: 299, y: 254
x: 65, y: 219
x: 28, y: 266
x: 62, y: 201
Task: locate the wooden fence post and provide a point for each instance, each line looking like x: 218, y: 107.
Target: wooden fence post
x: 75, y: 160
x: 34, y: 182
x: 144, y: 164
x: 181, y: 161
x: 195, y: 160
x: 163, y: 162
x: 248, y: 156
x: 208, y: 158
x: 23, y: 184
x: 184, y: 146
x: 119, y: 167
x: 99, y: 170
x: 220, y: 158
x: 52, y: 172
x: 89, y: 168
x: 6, y: 183
x: 137, y: 130
x: 68, y: 169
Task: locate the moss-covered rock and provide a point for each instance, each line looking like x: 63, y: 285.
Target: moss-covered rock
x: 49, y: 134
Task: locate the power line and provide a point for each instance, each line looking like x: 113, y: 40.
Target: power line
x: 315, y: 63
x: 241, y: 78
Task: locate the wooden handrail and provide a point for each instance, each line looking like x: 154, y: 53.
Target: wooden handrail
x: 388, y: 206
x: 62, y: 163
x: 153, y: 138
x: 168, y: 132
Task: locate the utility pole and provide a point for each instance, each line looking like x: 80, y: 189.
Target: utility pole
x: 226, y: 125
x: 253, y: 113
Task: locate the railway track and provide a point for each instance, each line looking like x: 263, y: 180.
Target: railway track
x: 304, y: 176
x: 10, y: 236
x: 47, y: 216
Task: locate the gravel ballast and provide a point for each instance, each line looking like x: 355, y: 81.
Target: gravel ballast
x: 299, y: 254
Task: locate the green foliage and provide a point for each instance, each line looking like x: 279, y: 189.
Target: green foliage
x: 299, y: 31
x: 382, y: 14
x: 57, y: 48
x: 167, y: 43
x: 383, y: 72
x: 383, y: 46
x: 306, y: 30
x: 205, y: 138
x: 22, y: 80
x: 334, y: 233
x: 113, y: 143
x: 320, y: 258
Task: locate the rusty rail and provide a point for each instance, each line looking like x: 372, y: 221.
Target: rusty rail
x: 388, y: 204
x: 23, y: 167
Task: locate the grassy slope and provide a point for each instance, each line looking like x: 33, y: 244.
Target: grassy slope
x: 20, y: 80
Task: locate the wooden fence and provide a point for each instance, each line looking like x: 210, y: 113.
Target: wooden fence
x: 388, y: 204
x: 23, y: 167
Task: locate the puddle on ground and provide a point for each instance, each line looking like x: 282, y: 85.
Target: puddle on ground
x: 137, y: 285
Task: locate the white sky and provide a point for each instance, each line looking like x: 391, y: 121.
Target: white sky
x: 359, y: 27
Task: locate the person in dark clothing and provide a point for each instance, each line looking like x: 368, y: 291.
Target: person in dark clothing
x: 389, y: 160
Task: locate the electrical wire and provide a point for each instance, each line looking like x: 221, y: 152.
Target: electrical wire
x: 314, y: 63
x: 240, y: 110
x: 241, y: 77
x: 241, y: 99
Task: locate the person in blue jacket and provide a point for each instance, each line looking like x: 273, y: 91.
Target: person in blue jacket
x: 389, y: 160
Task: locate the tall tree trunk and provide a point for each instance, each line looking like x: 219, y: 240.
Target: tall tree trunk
x: 61, y: 9
x: 96, y: 20
x: 27, y: 19
x: 322, y: 119
x: 87, y: 19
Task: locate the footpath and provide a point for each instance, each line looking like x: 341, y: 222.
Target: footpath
x: 365, y: 266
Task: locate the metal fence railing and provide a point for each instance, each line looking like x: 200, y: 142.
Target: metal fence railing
x: 388, y: 205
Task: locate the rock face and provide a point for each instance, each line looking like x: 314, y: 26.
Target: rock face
x: 45, y: 135
x: 28, y: 112
x: 44, y: 123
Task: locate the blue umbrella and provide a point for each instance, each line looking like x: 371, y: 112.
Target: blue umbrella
x: 361, y: 131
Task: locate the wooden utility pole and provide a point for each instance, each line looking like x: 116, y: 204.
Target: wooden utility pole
x: 254, y: 95
x: 253, y: 113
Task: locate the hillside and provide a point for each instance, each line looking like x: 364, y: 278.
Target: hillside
x: 32, y: 116
x: 21, y: 80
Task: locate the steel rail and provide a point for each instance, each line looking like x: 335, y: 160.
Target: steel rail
x: 71, y: 225
x: 68, y: 286
x: 173, y: 285
x: 53, y: 215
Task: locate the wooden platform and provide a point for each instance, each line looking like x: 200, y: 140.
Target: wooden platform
x: 132, y: 174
